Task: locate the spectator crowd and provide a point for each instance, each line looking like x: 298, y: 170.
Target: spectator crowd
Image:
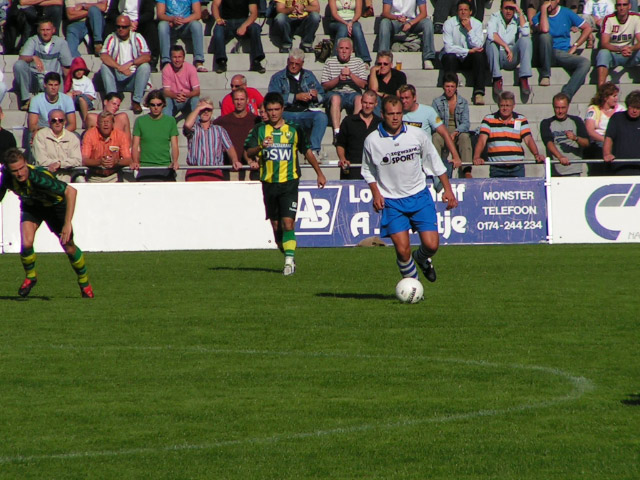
x: 133, y: 38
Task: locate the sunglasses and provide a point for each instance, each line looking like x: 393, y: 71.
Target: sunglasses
x: 123, y: 27
x: 382, y: 63
x: 209, y: 110
x: 156, y: 104
x: 510, y: 8
x: 57, y: 120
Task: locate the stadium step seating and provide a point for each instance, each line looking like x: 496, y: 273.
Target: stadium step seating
x: 535, y: 108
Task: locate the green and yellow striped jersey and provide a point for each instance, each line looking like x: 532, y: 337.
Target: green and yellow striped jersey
x: 279, y: 163
x: 41, y: 188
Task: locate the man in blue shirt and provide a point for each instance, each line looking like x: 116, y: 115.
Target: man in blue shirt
x: 554, y: 24
x: 180, y: 18
x: 303, y: 98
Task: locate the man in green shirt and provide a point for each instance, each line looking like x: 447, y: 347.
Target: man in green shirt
x: 155, y: 142
x: 276, y: 144
x: 42, y: 198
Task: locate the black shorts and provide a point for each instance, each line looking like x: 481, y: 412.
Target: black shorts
x: 280, y: 199
x: 53, y: 216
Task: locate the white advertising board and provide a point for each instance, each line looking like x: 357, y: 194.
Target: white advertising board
x: 152, y: 216
x: 595, y: 210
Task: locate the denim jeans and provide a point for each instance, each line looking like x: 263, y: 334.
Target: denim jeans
x: 316, y: 122
x: 285, y: 28
x: 76, y: 31
x: 476, y: 62
x: 577, y: 66
x: 27, y: 81
x: 521, y: 55
x: 173, y: 107
x: 505, y: 171
x: 390, y: 28
x: 3, y: 90
x: 339, y: 30
x: 609, y: 59
x: 168, y: 35
x: 223, y: 33
x: 116, y: 82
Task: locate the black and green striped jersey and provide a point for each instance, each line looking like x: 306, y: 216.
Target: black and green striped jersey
x: 279, y: 163
x: 42, y: 188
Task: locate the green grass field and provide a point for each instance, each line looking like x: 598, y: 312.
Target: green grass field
x: 522, y: 363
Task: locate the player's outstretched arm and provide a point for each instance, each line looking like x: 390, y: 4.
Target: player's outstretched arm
x: 448, y: 195
x: 70, y: 194
x: 311, y: 158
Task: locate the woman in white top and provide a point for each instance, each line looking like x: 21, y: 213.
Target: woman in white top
x: 344, y: 23
x: 603, y: 105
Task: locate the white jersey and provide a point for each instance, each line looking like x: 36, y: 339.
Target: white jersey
x: 399, y: 164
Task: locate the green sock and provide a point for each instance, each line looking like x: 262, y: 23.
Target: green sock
x: 78, y: 264
x: 28, y: 258
x: 289, y: 242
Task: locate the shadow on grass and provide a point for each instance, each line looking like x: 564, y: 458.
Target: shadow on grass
x: 22, y: 299
x: 357, y: 296
x: 248, y: 269
x: 633, y: 400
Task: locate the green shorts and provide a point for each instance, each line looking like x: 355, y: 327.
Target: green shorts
x: 53, y: 216
x: 280, y: 199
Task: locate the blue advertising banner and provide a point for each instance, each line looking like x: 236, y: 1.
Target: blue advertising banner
x: 489, y: 211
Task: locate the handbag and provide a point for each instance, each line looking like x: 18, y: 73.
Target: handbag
x: 323, y: 50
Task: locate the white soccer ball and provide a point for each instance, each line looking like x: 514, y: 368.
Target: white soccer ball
x: 409, y: 290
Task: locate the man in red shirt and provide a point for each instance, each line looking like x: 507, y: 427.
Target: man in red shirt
x: 238, y: 124
x: 254, y: 97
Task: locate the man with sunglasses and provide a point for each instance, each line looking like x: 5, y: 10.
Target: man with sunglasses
x: 619, y: 41
x: 509, y: 45
x: 51, y: 99
x: 384, y: 79
x: 254, y: 97
x: 125, y: 57
x: 57, y: 149
x: 155, y: 142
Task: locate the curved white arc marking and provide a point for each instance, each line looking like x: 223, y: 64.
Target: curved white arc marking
x: 580, y: 385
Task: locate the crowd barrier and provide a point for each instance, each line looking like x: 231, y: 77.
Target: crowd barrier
x: 230, y: 215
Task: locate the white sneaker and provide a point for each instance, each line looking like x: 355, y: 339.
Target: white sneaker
x: 289, y: 266
x: 428, y: 65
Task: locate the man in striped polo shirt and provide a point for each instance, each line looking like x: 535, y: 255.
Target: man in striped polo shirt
x: 503, y: 133
x: 343, y: 78
x: 276, y: 144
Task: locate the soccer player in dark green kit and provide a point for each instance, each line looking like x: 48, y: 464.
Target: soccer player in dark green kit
x: 276, y: 143
x: 42, y: 198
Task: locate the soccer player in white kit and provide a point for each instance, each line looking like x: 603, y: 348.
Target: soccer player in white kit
x: 396, y: 160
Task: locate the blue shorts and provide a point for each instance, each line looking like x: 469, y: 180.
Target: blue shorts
x: 417, y: 212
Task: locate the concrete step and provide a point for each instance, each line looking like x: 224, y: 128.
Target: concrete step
x: 540, y: 97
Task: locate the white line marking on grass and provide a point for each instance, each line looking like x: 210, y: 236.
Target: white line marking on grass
x: 580, y: 385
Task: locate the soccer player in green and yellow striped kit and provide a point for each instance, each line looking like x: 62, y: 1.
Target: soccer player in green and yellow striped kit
x: 276, y: 144
x: 42, y: 198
